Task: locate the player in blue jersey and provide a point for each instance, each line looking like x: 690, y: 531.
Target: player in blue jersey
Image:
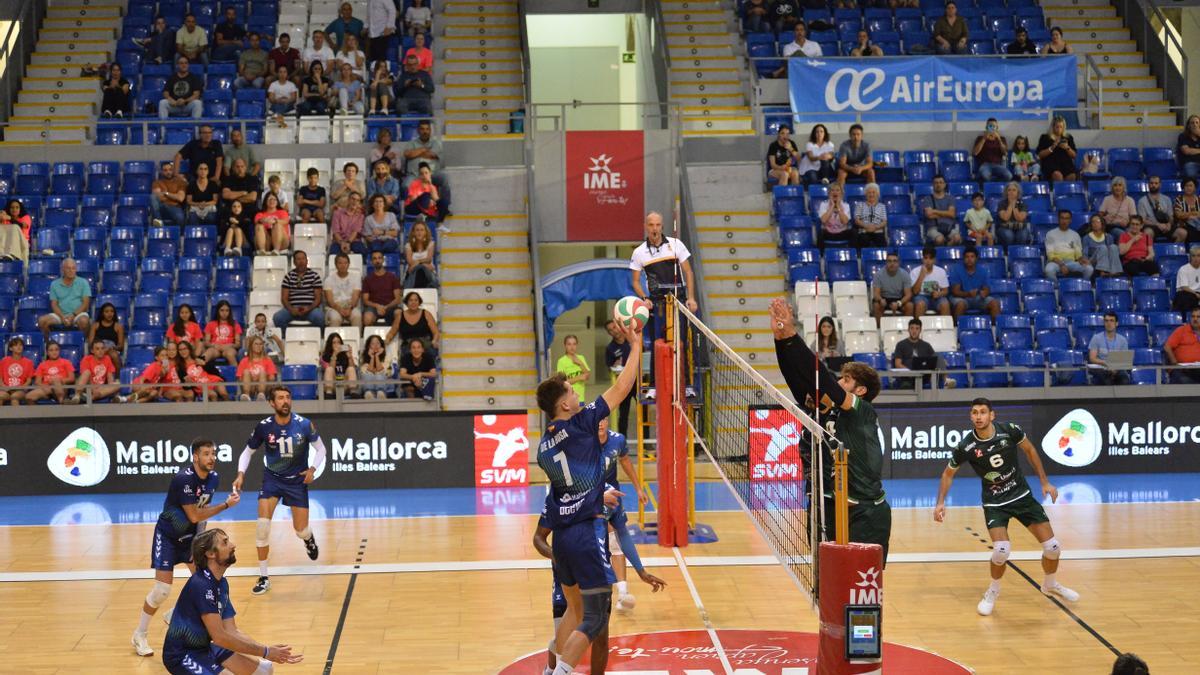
x: 289, y: 468
x: 571, y: 455
x: 616, y: 451
x: 187, y: 505
x: 203, y: 638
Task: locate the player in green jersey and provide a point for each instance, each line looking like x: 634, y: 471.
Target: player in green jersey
x: 992, y: 451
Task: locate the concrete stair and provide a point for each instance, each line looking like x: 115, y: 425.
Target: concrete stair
x: 478, y: 70
x: 706, y: 77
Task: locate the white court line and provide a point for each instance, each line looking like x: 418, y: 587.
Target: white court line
x: 537, y: 564
x: 712, y: 633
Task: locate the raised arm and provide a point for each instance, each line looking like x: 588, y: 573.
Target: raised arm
x: 632, y: 371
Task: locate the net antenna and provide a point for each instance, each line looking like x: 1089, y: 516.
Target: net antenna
x: 735, y: 395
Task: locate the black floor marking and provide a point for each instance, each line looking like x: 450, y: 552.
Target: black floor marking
x: 1067, y: 610
x: 337, y: 633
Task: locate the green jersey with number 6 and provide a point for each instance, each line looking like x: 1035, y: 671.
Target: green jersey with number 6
x: 858, y: 430
x: 996, y: 462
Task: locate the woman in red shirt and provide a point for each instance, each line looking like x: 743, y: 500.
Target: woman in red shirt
x: 271, y: 227
x: 185, y: 328
x: 53, y: 375
x: 423, y: 196
x: 16, y: 372
x: 14, y: 212
x: 256, y: 371
x: 98, y: 371
x: 160, y: 372
x: 14, y: 234
x: 424, y: 54
x: 196, y: 371
x: 222, y: 335
x: 1137, y: 249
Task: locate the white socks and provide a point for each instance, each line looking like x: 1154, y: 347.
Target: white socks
x: 622, y: 588
x: 1050, y: 582
x: 144, y: 623
x: 995, y: 586
x: 262, y: 568
x: 563, y: 668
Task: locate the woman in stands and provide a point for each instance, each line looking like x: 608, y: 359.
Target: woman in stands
x: 870, y: 219
x: 194, y: 370
x: 835, y: 219
x: 418, y: 374
x: 817, y: 162
x: 375, y: 369
x: 346, y: 228
x: 14, y: 212
x: 826, y: 343
x: 52, y: 376
x: 271, y: 233
x: 201, y: 198
x: 1057, y: 44
x: 414, y: 322
x: 316, y: 91
x: 185, y: 328
x: 116, y: 93
x: 1187, y: 213
x: 423, y: 196
x: 351, y: 55
x: 349, y: 90
x: 337, y: 366
x: 424, y: 54
x: 1012, y: 218
x: 108, y: 330
x: 381, y: 90
x: 1056, y: 152
x: 233, y: 228
x: 1024, y: 163
x: 222, y: 334
x: 14, y: 232
x: 1117, y: 207
x: 419, y: 255
x: 161, y: 372
x: 256, y: 371
x: 783, y: 156
x: 1101, y: 250
x: 380, y: 229
x: 16, y: 372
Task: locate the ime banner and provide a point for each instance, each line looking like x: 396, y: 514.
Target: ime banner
x: 605, y: 173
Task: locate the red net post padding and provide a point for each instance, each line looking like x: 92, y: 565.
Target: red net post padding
x: 672, y: 452
x: 849, y: 574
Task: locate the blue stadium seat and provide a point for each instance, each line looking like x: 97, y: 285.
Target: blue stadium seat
x: 1151, y: 293
x: 29, y: 308
x: 983, y: 361
x: 975, y: 340
x: 1028, y: 358
x: 55, y: 241
x: 1024, y: 268
x: 888, y: 168
x: 163, y: 242
x: 1115, y: 300
x: 293, y: 374
x: 919, y: 166
x: 904, y: 236
x: 150, y: 312
x: 1138, y: 336
x: 1160, y: 162
x: 1005, y: 290
x: 842, y: 270
x: 1052, y: 331
x: 796, y: 238
x: 804, y: 272
x: 1084, y: 326
x: 54, y: 217
x: 1125, y: 162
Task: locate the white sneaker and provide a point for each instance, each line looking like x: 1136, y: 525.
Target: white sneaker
x: 141, y: 645
x: 651, y: 394
x: 1062, y: 591
x: 244, y: 397
x: 166, y: 616
x: 625, y: 603
x: 988, y: 603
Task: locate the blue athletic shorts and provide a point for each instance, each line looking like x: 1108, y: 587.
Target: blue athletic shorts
x: 166, y: 552
x: 197, y: 662
x: 581, y: 555
x: 291, y: 491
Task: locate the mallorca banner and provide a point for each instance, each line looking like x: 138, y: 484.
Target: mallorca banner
x: 605, y: 185
x: 928, y: 88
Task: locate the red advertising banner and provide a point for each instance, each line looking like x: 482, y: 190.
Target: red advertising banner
x: 605, y: 185
x: 501, y: 450
x: 774, y: 445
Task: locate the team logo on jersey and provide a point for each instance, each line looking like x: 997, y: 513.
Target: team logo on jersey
x: 774, y: 438
x: 501, y: 450
x: 81, y: 459
x: 1075, y: 440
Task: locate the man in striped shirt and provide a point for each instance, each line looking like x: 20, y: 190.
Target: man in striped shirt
x: 301, y: 294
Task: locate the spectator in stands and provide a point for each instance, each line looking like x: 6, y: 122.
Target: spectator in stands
x: 192, y: 42
x: 14, y: 243
x: 1012, y: 223
x: 1137, y: 250
x: 414, y: 90
x: 375, y: 369
x: 237, y: 149
x: 380, y: 292
x: 317, y: 92
x: 1187, y: 148
x: 1057, y: 44
x: 380, y: 91
x: 185, y: 328
x: 572, y: 364
x: 941, y: 215
x: 160, y: 371
x: 424, y: 54
x: 344, y: 26
x: 256, y: 370
x: 160, y: 44
x: 381, y: 230
x: 1183, y: 347
x: 799, y: 47
x: 931, y: 285
x: 826, y: 344
x: 222, y: 335
x: 1064, y: 251
x: 232, y: 229
x: 310, y: 198
x: 15, y: 213
x: 342, y: 293
x: 286, y: 56
x: 346, y: 228
x: 201, y: 199
x: 1187, y: 213
x: 854, y: 158
x: 318, y: 51
x: 427, y: 149
x: 1100, y: 344
x: 382, y: 183
x: 1024, y: 163
x: 110, y: 331
x: 979, y: 222
x: 1157, y: 212
x: 1100, y: 249
x: 242, y: 186
x: 181, y: 94
x: 349, y: 54
x: 1117, y: 207
x: 205, y: 376
x: 270, y: 336
x: 419, y: 254
x: 97, y: 377
x: 423, y: 196
x: 349, y: 91
x: 1056, y: 152
x: 381, y: 26
x: 418, y: 372
x: 891, y: 289
x: 202, y: 150
x: 754, y: 16
x: 301, y: 294
x: 863, y: 45
x: 383, y: 152
x: 115, y: 102
x: 950, y: 32
x: 16, y: 372
x: 418, y: 18
x: 227, y: 37
x: 275, y: 187
x: 167, y: 197
x: 910, y: 348
x: 1187, y: 283
x: 970, y: 286
x: 337, y: 366
x: 252, y: 65
x: 785, y: 15
x: 349, y: 183
x: 70, y: 298
x: 816, y: 163
x: 271, y: 228
x: 834, y: 214
x: 783, y: 156
x: 1021, y: 45
x: 870, y: 219
x: 53, y: 375
x: 990, y: 152
x: 416, y: 323
x: 282, y: 96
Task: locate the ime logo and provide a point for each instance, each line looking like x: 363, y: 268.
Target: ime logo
x: 501, y: 450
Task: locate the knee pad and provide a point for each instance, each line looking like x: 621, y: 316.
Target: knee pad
x: 265, y: 667
x: 304, y: 534
x: 614, y: 544
x: 158, y: 594
x: 596, y: 608
x: 1000, y: 551
x: 1050, y: 549
x: 262, y: 532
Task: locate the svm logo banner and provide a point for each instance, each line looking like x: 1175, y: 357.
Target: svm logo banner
x: 501, y: 450
x: 81, y: 459
x: 1075, y: 440
x: 774, y: 438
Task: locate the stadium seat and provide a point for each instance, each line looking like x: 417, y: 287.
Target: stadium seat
x: 1151, y: 294
x: 1014, y: 333
x: 1084, y: 326
x: 1028, y: 358
x: 1160, y: 162
x: 976, y: 340
x: 981, y: 362
x: 150, y: 312
x: 1125, y: 162
x: 1146, y: 357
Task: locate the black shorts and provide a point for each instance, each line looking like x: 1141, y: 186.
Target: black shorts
x: 1027, y: 510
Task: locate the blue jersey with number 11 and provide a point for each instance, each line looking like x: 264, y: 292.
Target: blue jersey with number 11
x: 573, y: 459
x: 286, y: 444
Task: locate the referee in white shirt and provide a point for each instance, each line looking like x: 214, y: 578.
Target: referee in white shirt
x: 665, y: 262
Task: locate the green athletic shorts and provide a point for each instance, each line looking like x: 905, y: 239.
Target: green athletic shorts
x: 1027, y: 510
x: 870, y: 523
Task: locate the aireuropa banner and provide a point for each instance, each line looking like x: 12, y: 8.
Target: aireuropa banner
x: 924, y: 88
x: 605, y: 176
x: 138, y: 454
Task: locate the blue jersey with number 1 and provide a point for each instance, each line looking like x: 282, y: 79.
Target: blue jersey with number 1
x: 286, y: 444
x: 573, y: 459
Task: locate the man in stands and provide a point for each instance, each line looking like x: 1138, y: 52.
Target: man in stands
x: 1157, y: 212
x: 1064, y: 251
x: 969, y: 284
x: 991, y: 154
x: 181, y: 94
x: 799, y: 47
x: 301, y: 295
x: 239, y: 150
x: 284, y: 54
x: 381, y: 26
x: 1184, y: 347
x: 950, y: 32
x: 1021, y: 45
x: 854, y: 158
x: 941, y: 215
x: 166, y: 197
x: 318, y: 50
x: 380, y: 293
x: 160, y: 44
x: 70, y: 297
x: 342, y: 293
x: 1187, y: 284
x: 344, y: 25
x: 202, y: 150
x: 428, y: 149
x: 382, y: 183
x: 252, y: 65
x: 228, y: 36
x: 891, y: 289
x: 1108, y: 340
x: 192, y: 42
x: 910, y: 348
x: 784, y: 15
x: 931, y: 285
x: 241, y: 186
x: 414, y: 90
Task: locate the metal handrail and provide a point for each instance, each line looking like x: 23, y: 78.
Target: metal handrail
x: 1094, y: 88
x: 207, y: 389
x: 14, y: 49
x: 1169, y: 42
x: 661, y: 53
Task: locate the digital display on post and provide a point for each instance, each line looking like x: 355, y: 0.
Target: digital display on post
x: 863, y: 635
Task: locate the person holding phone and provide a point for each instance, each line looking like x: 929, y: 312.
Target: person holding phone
x: 1056, y: 152
x: 990, y: 151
